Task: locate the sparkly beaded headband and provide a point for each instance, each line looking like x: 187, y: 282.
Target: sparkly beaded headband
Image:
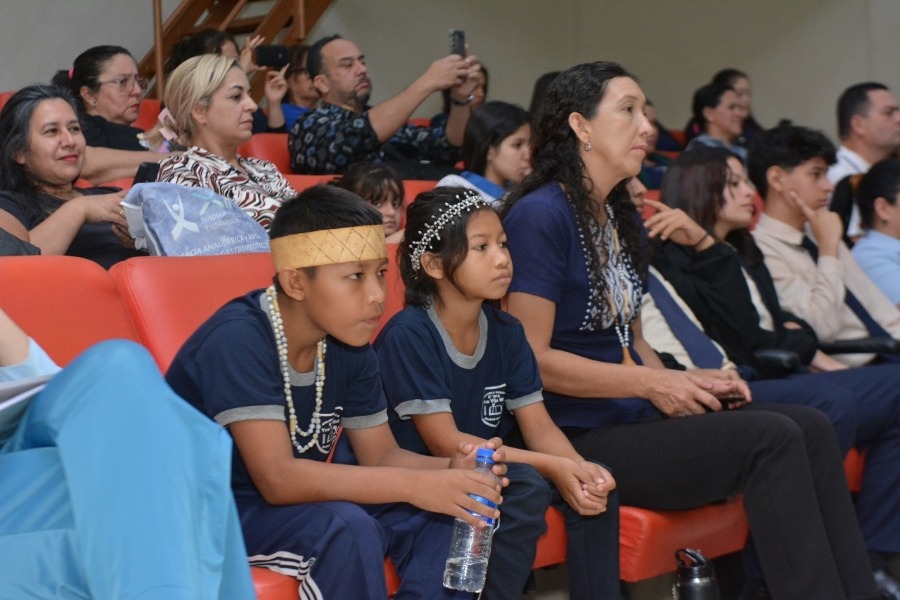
x: 470, y: 200
x: 328, y: 247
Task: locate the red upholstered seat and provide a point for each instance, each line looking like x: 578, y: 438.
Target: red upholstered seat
x: 4, y: 98
x: 169, y: 297
x: 853, y: 468
x: 414, y: 187
x: 148, y: 114
x: 394, y: 289
x: 124, y: 183
x: 551, y: 547
x: 648, y: 538
x: 301, y: 182
x: 270, y: 585
x: 65, y: 303
x: 272, y: 147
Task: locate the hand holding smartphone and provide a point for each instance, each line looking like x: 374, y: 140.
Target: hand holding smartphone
x: 271, y: 56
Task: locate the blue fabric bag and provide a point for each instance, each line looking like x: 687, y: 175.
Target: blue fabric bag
x: 174, y: 220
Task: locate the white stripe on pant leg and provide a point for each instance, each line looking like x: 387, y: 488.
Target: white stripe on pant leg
x: 288, y: 563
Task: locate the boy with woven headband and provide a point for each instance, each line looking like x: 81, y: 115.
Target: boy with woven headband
x: 283, y: 369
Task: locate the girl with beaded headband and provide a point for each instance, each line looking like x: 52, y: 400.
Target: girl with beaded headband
x: 284, y: 369
x: 662, y: 432
x: 454, y: 366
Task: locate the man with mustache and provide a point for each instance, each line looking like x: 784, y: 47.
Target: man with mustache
x: 345, y: 129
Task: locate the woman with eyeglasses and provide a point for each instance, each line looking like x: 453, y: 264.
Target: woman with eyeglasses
x: 105, y: 83
x: 42, y: 150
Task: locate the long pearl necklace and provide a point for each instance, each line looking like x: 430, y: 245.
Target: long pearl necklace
x: 315, y: 423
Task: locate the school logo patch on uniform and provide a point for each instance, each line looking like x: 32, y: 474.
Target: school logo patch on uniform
x: 328, y: 431
x: 492, y: 404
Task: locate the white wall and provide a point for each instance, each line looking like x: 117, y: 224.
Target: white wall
x: 40, y: 37
x: 799, y: 53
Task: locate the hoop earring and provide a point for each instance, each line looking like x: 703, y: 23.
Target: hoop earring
x: 587, y: 147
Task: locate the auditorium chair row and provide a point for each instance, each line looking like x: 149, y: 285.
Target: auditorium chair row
x: 67, y: 304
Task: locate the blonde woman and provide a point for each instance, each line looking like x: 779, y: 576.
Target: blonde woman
x: 210, y: 112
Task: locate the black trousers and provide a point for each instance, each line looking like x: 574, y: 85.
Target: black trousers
x: 786, y: 462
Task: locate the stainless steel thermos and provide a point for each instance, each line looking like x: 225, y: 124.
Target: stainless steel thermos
x: 695, y: 578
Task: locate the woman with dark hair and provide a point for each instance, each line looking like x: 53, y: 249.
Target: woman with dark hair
x: 878, y: 251
x: 105, y: 83
x: 540, y: 88
x: 666, y: 141
x: 209, y: 41
x: 495, y: 151
x: 717, y: 119
x: 740, y: 83
x: 381, y: 186
x: 213, y: 41
x: 581, y: 263
x: 42, y: 152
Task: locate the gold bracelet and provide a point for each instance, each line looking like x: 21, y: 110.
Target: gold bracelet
x: 700, y: 241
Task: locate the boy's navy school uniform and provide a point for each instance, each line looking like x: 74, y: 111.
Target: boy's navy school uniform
x: 230, y: 370
x: 424, y: 373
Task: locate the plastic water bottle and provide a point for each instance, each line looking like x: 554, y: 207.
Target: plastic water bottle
x: 470, y: 546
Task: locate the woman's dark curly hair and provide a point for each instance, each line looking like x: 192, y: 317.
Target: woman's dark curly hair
x: 555, y: 158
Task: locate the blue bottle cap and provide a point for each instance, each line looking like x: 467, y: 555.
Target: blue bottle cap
x: 485, y: 455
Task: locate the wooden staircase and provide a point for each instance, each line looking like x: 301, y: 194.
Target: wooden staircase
x: 278, y: 21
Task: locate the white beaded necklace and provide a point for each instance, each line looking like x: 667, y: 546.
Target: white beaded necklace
x: 315, y: 423
x: 621, y: 321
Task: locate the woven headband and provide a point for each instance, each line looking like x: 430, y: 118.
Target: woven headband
x: 468, y: 201
x: 328, y: 247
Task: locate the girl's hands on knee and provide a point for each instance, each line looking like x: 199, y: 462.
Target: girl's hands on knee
x: 584, y: 485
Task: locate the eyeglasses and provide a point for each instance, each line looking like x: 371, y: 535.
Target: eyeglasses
x: 126, y: 83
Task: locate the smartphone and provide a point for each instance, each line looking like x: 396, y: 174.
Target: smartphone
x: 458, y: 42
x: 728, y: 401
x: 146, y: 173
x: 272, y: 56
